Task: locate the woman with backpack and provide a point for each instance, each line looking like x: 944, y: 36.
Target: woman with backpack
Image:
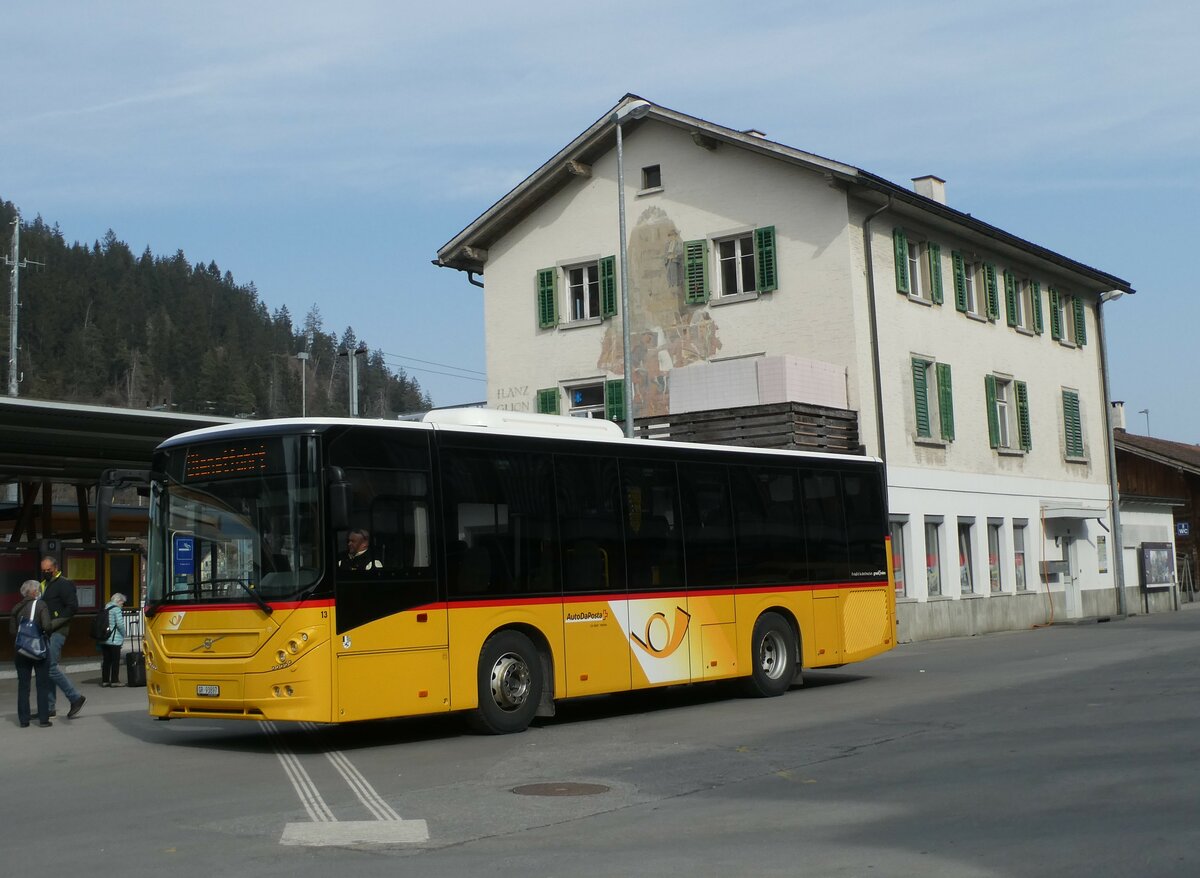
x: 30, y: 607
x: 110, y: 647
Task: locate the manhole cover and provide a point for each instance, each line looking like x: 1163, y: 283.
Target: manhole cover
x: 561, y: 789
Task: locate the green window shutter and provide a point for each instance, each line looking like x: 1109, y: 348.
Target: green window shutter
x: 1056, y: 327
x: 547, y: 401
x: 1010, y: 294
x: 945, y: 401
x: 1023, y: 431
x: 921, y: 396
x: 547, y: 297
x: 1080, y: 322
x: 765, y: 267
x: 989, y: 387
x: 614, y: 399
x: 991, y: 292
x: 900, y: 248
x: 960, y: 281
x: 608, y: 286
x: 934, y: 253
x: 1073, y: 427
x: 1035, y: 296
x: 695, y: 272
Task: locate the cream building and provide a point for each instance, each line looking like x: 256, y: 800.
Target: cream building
x: 760, y: 273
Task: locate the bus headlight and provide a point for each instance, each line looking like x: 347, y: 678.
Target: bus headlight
x: 282, y: 656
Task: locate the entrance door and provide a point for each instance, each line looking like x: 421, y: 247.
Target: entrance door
x: 1071, y: 595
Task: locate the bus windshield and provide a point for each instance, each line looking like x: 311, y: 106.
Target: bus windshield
x: 243, y: 533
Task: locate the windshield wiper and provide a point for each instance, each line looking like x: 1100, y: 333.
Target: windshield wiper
x: 246, y: 587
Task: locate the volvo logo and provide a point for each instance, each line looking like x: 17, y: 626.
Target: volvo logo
x: 208, y: 642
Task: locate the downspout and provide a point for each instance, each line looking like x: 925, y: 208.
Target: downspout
x: 469, y: 272
x: 1114, y: 488
x: 875, y: 336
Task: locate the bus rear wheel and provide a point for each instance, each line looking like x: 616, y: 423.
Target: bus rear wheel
x: 773, y: 657
x: 510, y: 683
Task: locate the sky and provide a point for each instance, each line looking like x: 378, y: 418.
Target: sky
x: 324, y: 151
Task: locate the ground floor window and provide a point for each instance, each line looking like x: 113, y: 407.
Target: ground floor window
x: 996, y: 581
x: 899, y: 556
x: 966, y: 576
x: 933, y: 556
x: 1019, y: 528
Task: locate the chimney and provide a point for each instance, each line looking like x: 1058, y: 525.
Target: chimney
x: 1117, y: 407
x: 931, y: 187
x: 754, y: 132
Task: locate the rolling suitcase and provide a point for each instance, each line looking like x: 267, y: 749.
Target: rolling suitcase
x: 135, y: 668
x: 135, y: 659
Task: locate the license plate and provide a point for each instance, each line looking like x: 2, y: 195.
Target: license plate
x: 210, y: 691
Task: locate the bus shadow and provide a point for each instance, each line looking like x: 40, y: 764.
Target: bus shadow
x: 302, y: 738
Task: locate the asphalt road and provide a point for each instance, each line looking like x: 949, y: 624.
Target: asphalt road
x: 1062, y: 751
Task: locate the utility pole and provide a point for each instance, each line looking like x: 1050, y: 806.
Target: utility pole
x: 353, y: 356
x: 16, y: 264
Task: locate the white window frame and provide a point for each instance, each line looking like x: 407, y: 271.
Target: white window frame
x: 933, y: 556
x: 1023, y: 302
x: 1020, y: 550
x: 966, y: 555
x: 585, y: 410
x: 920, y: 282
x: 588, y: 286
x: 995, y: 527
x: 898, y: 527
x: 739, y: 241
x: 1006, y: 411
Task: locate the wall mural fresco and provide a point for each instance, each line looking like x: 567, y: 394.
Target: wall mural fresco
x: 664, y: 333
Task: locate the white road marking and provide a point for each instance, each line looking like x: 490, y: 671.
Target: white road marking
x: 325, y: 829
x: 310, y: 796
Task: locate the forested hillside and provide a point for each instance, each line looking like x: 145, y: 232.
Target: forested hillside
x: 101, y: 325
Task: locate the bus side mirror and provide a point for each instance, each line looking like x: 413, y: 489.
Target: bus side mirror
x: 339, y: 498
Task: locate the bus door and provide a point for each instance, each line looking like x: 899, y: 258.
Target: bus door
x: 390, y: 638
x: 711, y: 561
x: 595, y: 606
x: 660, y: 621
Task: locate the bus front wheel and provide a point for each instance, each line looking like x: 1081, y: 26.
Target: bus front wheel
x: 773, y: 656
x: 510, y: 683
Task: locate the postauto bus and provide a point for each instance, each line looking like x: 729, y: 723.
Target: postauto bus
x: 512, y: 561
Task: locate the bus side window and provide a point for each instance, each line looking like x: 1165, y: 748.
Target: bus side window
x: 589, y: 510
x: 825, y: 526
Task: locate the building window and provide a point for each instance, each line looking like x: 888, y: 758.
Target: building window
x: 899, y: 528
x: 746, y: 264
x: 1067, y: 318
x: 966, y: 555
x: 1072, y: 425
x: 587, y: 400
x: 591, y: 291
x: 583, y: 291
x: 1019, y: 555
x: 918, y: 267
x: 974, y: 286
x: 933, y: 556
x: 1023, y: 302
x: 652, y: 177
x: 1008, y: 413
x: 933, y: 399
x: 995, y: 580
x: 547, y: 401
x: 735, y: 265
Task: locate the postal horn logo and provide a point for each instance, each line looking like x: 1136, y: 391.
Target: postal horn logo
x: 661, y: 638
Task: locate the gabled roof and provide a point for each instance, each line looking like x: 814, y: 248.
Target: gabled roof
x: 1174, y: 454
x: 467, y: 251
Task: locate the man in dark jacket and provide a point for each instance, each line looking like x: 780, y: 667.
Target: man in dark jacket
x: 59, y: 594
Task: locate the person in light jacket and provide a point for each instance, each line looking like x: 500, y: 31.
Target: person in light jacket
x: 110, y: 664
x: 32, y: 607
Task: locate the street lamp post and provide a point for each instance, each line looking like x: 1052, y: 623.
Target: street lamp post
x: 303, y: 358
x: 353, y: 355
x: 634, y: 110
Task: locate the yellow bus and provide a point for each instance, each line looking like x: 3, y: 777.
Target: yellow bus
x: 510, y: 561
